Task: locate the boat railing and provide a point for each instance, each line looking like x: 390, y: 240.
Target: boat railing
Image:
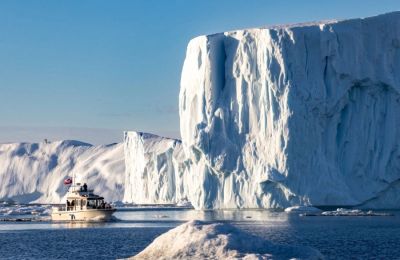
x: 72, y: 208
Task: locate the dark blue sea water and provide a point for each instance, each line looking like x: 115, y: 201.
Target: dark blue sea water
x: 335, y: 237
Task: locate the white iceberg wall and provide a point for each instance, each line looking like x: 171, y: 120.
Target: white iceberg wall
x: 154, y: 169
x: 34, y: 172
x: 305, y: 114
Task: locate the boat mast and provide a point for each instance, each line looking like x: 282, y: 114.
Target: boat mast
x: 73, y: 181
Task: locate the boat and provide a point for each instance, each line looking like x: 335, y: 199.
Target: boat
x: 82, y: 205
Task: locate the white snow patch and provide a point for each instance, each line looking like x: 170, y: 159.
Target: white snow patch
x: 198, y: 240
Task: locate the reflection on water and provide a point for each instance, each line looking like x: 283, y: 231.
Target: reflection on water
x: 79, y: 225
x: 211, y: 215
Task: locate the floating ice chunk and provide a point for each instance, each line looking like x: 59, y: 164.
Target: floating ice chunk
x: 341, y: 212
x: 302, y: 209
x: 38, y: 210
x: 161, y: 216
x: 353, y: 212
x: 198, y: 240
x: 118, y: 204
x: 184, y: 203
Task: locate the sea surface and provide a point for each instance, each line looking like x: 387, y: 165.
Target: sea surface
x: 347, y: 237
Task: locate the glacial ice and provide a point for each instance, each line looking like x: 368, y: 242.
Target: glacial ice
x: 199, y: 240
x: 155, y: 171
x: 294, y: 115
x: 34, y: 172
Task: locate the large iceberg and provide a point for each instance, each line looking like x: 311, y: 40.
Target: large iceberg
x: 303, y: 114
x: 34, y: 172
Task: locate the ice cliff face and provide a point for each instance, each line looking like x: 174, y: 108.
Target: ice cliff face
x: 155, y: 170
x: 34, y: 172
x: 304, y: 114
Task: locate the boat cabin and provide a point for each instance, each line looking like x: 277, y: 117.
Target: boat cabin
x: 84, y: 199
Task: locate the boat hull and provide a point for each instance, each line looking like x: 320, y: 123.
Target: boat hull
x: 83, y: 215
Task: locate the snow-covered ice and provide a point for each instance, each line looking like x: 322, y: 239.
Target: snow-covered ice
x: 353, y: 212
x: 294, y: 115
x: 198, y: 240
x: 184, y: 203
x: 302, y: 209
x: 34, y: 172
x: 155, y: 170
x: 13, y: 210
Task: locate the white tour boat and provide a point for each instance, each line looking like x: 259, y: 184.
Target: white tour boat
x: 82, y: 205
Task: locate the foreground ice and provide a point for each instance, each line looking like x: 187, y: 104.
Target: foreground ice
x: 198, y: 240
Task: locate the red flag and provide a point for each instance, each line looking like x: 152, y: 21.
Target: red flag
x: 68, y: 181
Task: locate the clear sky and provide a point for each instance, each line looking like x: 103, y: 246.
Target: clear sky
x: 88, y: 70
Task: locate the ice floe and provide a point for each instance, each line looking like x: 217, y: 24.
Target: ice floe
x: 342, y: 212
x: 303, y: 209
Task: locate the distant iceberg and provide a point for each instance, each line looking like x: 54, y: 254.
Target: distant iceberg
x: 34, y: 172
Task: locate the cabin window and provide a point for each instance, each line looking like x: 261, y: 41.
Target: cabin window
x: 90, y: 204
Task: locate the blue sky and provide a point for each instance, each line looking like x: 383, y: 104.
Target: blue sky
x: 90, y: 69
